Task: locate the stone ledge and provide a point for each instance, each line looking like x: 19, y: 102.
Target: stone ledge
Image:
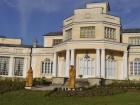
x: 29, y: 88
x: 58, y: 80
x: 94, y: 81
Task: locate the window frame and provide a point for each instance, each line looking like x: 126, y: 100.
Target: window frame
x: 68, y: 34
x: 47, y: 67
x: 110, y: 33
x: 134, y: 68
x: 87, y: 32
x: 134, y: 40
x: 4, y: 69
x: 57, y: 41
x: 18, y: 66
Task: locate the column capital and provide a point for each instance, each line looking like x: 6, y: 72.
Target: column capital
x: 98, y: 49
x: 12, y: 56
x: 55, y: 52
x: 72, y: 49
x: 126, y: 51
x: 67, y: 49
x: 102, y: 48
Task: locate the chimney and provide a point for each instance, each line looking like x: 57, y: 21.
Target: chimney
x: 35, y: 43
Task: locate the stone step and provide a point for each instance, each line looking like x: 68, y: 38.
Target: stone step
x: 49, y: 88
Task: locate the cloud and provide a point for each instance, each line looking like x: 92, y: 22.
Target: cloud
x: 26, y: 7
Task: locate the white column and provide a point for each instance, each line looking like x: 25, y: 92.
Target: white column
x: 97, y: 74
x: 125, y: 65
x: 103, y: 63
x: 11, y: 67
x: 67, y: 63
x: 72, y: 57
x: 55, y: 64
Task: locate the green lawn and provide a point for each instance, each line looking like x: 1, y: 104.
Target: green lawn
x: 25, y: 97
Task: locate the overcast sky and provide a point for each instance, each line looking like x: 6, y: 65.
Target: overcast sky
x: 29, y: 19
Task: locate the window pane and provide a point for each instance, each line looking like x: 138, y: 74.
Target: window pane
x: 57, y: 41
x: 138, y: 68
x: 4, y: 65
x: 135, y: 68
x: 87, y: 32
x: 68, y: 34
x: 134, y: 40
x: 19, y: 63
x: 110, y: 33
x: 47, y: 67
x: 131, y: 68
x: 110, y: 68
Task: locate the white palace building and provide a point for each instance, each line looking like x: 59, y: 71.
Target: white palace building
x: 92, y: 40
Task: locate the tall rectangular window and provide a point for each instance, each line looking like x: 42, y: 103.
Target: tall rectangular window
x: 87, y: 32
x: 110, y: 33
x: 68, y: 34
x: 18, y: 68
x: 135, y: 67
x: 4, y: 65
x: 47, y: 67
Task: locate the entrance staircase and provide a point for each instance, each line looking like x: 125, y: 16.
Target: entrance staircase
x: 65, y: 86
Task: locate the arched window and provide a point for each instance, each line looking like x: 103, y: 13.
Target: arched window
x: 47, y: 67
x: 87, y: 66
x: 135, y: 67
x: 110, y: 67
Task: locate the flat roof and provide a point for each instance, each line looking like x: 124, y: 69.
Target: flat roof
x: 22, y: 45
x: 131, y: 30
x: 54, y: 34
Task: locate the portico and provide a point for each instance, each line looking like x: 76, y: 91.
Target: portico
x: 107, y: 63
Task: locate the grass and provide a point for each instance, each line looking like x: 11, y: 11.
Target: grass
x: 26, y: 97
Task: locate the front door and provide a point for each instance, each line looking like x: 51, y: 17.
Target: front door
x: 87, y: 67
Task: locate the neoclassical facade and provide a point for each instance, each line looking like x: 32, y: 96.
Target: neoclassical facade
x: 92, y: 40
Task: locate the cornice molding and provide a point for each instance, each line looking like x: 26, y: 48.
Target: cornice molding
x: 90, y: 22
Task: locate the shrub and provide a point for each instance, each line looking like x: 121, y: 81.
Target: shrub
x: 92, y: 91
x: 10, y: 84
x: 126, y: 84
x: 41, y: 81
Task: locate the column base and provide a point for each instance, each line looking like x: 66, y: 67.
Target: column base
x: 28, y: 88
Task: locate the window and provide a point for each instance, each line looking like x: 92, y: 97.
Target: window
x: 47, y: 67
x: 87, y: 66
x: 135, y: 67
x: 18, y: 68
x: 110, y: 33
x: 87, y: 32
x: 4, y: 65
x: 134, y: 40
x: 68, y: 34
x: 110, y: 67
x: 57, y: 41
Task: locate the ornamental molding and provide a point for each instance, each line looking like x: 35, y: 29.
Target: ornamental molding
x: 87, y: 16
